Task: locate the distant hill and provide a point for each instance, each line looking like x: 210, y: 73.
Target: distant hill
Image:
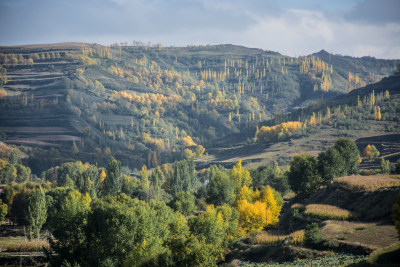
x: 140, y: 103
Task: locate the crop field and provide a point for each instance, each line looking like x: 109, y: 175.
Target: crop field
x: 334, y: 260
x: 328, y: 212
x: 368, y: 183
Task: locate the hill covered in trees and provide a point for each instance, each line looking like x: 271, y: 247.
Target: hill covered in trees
x: 149, y: 105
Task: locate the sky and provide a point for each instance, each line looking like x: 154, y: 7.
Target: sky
x: 290, y: 27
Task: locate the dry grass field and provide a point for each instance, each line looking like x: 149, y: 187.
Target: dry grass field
x: 368, y: 183
x: 328, y: 212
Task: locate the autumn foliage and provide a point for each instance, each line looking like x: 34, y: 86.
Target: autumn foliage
x: 257, y: 209
x: 274, y: 133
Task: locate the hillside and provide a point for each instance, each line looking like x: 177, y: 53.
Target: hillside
x: 150, y: 105
x: 352, y: 220
x: 350, y: 115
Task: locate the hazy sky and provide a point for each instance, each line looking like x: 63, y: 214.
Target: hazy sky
x: 291, y: 27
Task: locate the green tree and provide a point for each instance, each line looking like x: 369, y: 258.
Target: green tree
x: 330, y: 165
x: 270, y: 175
x: 184, y: 177
x: 8, y: 174
x: 349, y: 152
x: 14, y: 158
x: 144, y: 178
x: 185, y: 203
x: 23, y: 173
x: 121, y: 226
x: 217, y: 225
x: 68, y: 227
x: 303, y: 175
x: 385, y: 166
x: 88, y: 181
x: 157, y: 177
x: 113, y: 182
x: 37, y: 213
x: 3, y: 210
x: 220, y: 188
x: 3, y: 76
x: 396, y: 214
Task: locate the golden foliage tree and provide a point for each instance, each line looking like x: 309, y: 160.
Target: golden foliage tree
x: 240, y: 177
x: 370, y: 152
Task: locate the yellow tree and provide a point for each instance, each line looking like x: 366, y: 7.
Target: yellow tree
x: 144, y: 178
x: 240, y: 177
x: 379, y: 115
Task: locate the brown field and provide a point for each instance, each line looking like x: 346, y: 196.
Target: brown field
x: 368, y: 183
x: 374, y: 235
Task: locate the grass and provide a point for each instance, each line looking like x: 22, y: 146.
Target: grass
x: 12, y: 240
x: 267, y: 238
x: 368, y: 183
x: 324, y: 212
x: 334, y: 260
x: 389, y: 256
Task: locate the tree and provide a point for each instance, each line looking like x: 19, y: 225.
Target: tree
x: 184, y: 177
x: 303, y: 175
x: 14, y: 158
x: 3, y: 210
x: 8, y: 173
x: 88, y: 181
x: 371, y: 152
x: 113, y: 182
x: 23, y: 173
x: 350, y: 154
x: 185, y: 203
x: 3, y: 77
x: 68, y: 229
x: 330, y: 165
x: 157, y: 178
x: 200, y: 151
x: 220, y: 188
x: 37, y: 213
x: 396, y: 214
x: 144, y: 178
x: 270, y: 175
x: 74, y: 149
x: 385, y: 166
x: 240, y: 177
x: 252, y: 217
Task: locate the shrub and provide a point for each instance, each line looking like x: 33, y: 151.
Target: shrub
x: 314, y: 238
x: 297, y: 238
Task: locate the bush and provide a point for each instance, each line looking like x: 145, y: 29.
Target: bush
x: 314, y: 238
x: 297, y: 238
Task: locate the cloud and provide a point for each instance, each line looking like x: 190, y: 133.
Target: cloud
x: 375, y: 12
x: 290, y: 27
